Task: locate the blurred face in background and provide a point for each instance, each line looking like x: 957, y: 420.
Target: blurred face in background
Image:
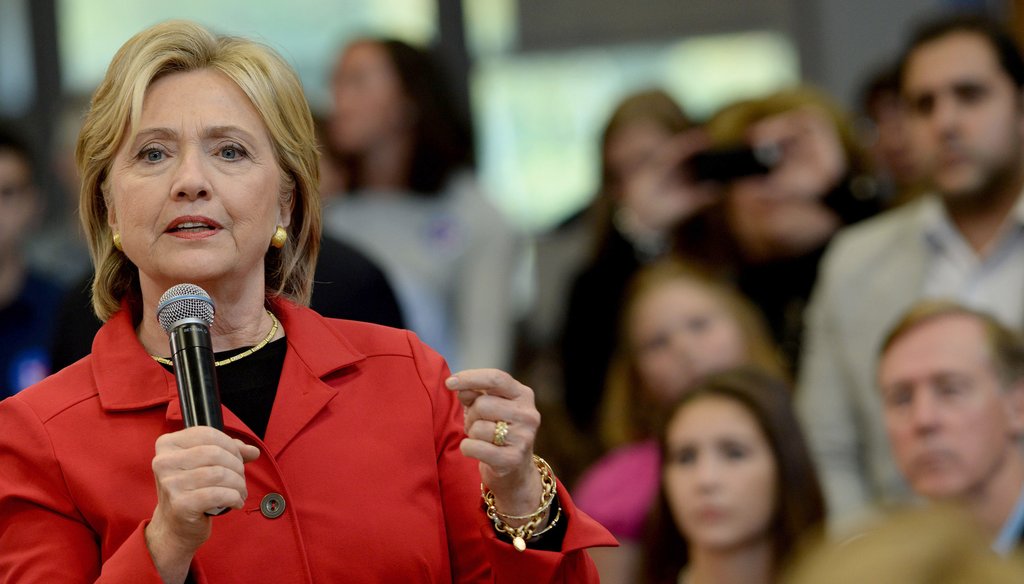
x: 630, y: 148
x: 965, y: 117
x: 951, y: 424
x: 720, y: 476
x: 890, y: 143
x: 370, y: 105
x: 19, y: 200
x: 681, y: 331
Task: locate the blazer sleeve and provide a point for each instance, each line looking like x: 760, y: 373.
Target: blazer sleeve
x: 43, y: 536
x: 826, y: 404
x: 477, y: 555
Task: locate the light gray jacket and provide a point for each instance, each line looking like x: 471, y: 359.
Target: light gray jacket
x: 871, y: 273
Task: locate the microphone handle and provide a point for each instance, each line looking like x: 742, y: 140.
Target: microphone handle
x: 192, y: 354
x: 196, y: 375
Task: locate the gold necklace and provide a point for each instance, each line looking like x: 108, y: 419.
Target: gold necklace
x: 263, y: 343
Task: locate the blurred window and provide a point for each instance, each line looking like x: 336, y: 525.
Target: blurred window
x: 309, y: 33
x: 17, y: 63
x: 538, y: 116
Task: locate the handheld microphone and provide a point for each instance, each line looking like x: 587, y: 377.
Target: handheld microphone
x: 186, y: 313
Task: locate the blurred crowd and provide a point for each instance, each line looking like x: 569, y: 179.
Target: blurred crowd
x: 770, y: 334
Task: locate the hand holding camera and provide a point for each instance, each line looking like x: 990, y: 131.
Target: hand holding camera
x: 812, y: 160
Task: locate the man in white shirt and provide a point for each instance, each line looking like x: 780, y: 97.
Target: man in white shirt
x: 952, y: 388
x: 962, y: 81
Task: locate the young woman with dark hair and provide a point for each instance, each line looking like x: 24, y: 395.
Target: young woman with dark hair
x: 412, y: 203
x: 739, y: 490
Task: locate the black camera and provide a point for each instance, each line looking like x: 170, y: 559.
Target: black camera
x: 727, y: 164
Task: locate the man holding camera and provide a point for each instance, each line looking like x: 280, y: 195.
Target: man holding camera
x: 962, y: 81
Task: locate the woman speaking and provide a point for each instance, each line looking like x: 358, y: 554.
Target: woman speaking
x: 348, y: 452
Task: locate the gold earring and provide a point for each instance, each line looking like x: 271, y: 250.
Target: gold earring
x: 280, y: 237
x: 117, y: 241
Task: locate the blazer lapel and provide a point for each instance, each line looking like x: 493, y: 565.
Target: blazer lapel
x: 315, y: 350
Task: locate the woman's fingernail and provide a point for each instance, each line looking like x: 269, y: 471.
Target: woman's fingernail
x: 452, y: 382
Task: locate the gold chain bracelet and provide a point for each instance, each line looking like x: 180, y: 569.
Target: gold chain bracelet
x: 524, y: 532
x: 551, y: 524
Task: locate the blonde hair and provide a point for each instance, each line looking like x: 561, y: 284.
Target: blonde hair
x: 627, y: 412
x: 276, y: 93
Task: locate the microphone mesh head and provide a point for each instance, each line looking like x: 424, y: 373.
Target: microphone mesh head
x: 183, y: 301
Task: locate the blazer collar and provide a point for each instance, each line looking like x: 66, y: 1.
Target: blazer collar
x: 127, y: 378
x: 314, y: 340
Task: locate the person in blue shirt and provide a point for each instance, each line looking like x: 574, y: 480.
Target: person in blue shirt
x: 28, y: 301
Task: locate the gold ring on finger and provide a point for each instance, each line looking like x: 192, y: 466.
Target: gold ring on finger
x: 500, y: 433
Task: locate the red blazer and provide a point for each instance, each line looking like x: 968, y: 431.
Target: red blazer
x: 362, y: 443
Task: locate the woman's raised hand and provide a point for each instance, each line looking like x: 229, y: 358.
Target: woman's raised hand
x: 196, y: 469
x: 813, y: 159
x: 505, y: 451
